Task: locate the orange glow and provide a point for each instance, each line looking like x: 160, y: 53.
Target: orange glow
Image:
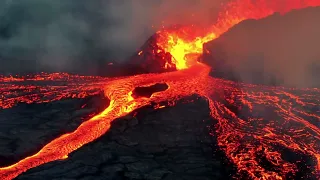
x: 12, y: 92
x: 179, y: 48
x: 181, y: 41
x: 244, y: 141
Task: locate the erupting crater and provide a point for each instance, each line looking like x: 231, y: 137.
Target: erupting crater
x: 256, y: 124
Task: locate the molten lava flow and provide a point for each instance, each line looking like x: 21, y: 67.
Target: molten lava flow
x: 178, y: 42
x: 259, y: 128
x: 44, y: 87
x: 246, y: 137
x: 181, y: 41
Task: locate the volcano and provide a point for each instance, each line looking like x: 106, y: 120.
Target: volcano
x: 171, y: 121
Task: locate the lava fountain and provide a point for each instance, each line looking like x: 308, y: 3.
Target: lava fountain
x: 245, y: 140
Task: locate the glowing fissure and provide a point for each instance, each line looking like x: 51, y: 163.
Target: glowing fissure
x: 244, y: 140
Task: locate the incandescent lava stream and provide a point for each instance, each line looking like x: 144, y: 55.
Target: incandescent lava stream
x: 246, y: 137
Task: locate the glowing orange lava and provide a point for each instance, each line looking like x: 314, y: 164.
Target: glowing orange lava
x: 182, y: 41
x: 47, y: 88
x: 245, y: 134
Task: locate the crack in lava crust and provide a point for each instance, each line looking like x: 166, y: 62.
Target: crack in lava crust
x: 122, y: 103
x: 241, y: 138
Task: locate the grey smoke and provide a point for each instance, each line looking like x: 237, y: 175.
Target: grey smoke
x: 84, y: 35
x: 278, y: 50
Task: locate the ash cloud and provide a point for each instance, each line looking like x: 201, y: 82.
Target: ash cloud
x: 276, y: 50
x: 83, y: 36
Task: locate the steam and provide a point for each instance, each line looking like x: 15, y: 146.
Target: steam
x: 279, y: 50
x: 78, y: 35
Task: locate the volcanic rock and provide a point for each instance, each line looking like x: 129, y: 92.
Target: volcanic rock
x: 151, y: 58
x: 170, y: 143
x: 25, y: 129
x: 276, y: 50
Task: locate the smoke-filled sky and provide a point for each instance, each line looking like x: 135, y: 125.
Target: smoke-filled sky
x: 280, y: 49
x: 71, y: 35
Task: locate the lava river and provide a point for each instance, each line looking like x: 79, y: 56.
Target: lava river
x: 264, y: 131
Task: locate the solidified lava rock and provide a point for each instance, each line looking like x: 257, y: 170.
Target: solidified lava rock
x: 169, y: 143
x: 149, y: 90
x: 276, y: 50
x: 149, y: 59
x: 26, y: 128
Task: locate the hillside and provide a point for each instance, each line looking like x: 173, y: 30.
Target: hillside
x: 277, y: 50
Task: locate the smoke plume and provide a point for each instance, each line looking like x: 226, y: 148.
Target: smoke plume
x: 276, y: 50
x: 81, y: 35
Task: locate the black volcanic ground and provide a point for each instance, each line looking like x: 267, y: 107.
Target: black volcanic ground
x: 173, y: 142
x: 169, y: 143
x: 26, y: 128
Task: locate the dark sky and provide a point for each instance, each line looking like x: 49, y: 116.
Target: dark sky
x: 83, y: 35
